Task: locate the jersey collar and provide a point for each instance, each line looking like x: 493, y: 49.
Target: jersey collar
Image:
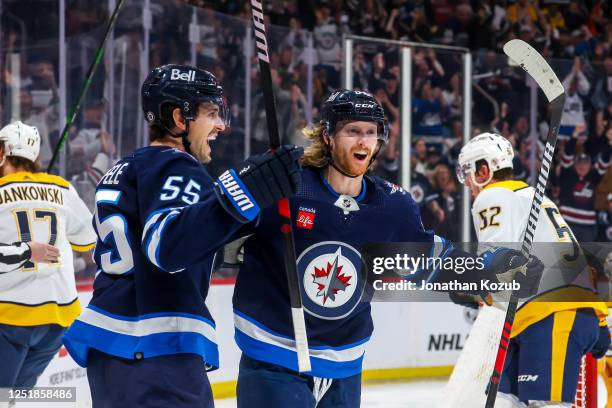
x: 331, y: 190
x: 512, y: 185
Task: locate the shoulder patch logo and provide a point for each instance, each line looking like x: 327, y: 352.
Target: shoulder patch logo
x: 417, y: 193
x: 394, y: 188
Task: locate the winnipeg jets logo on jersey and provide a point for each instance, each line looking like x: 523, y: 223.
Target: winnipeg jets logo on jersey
x: 332, y: 280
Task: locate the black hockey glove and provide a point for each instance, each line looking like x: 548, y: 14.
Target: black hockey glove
x: 602, y: 344
x: 259, y: 182
x: 503, y: 265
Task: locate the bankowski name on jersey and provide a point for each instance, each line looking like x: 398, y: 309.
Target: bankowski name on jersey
x: 43, y: 208
x: 500, y: 215
x: 329, y: 231
x: 159, y: 225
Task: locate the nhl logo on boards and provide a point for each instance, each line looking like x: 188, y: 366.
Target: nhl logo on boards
x: 305, y: 219
x: 332, y: 279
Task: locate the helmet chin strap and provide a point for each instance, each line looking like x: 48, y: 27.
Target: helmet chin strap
x: 481, y: 185
x: 183, y: 135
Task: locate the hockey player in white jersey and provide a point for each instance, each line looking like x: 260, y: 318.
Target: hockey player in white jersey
x: 38, y: 301
x: 548, y: 338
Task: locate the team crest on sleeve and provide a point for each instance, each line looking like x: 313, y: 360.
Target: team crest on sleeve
x: 417, y: 193
x: 394, y: 188
x: 332, y: 279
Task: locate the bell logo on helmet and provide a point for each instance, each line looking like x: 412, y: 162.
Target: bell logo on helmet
x: 183, y: 76
x: 150, y: 116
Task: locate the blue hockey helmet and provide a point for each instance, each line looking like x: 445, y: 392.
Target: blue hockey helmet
x: 345, y: 104
x: 184, y: 86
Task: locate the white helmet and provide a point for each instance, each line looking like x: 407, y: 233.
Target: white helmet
x: 20, y: 140
x: 494, y: 149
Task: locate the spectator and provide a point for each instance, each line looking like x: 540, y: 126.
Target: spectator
x: 389, y: 96
x: 427, y: 68
x: 448, y: 200
x: 577, y: 86
x: 577, y: 198
x: 327, y: 43
x: 297, y: 120
x: 602, y: 91
x: 362, y: 69
x: 575, y: 16
x: 455, y: 30
x: 522, y: 13
x: 427, y: 114
x: 296, y: 40
x: 39, y: 114
x: 479, y: 29
x: 452, y: 99
x: 424, y: 195
x: 92, y: 139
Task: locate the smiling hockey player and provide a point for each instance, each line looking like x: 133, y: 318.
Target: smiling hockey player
x: 339, y: 209
x: 147, y: 337
x: 548, y: 338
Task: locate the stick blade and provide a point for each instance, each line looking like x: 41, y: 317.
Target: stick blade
x: 536, y: 66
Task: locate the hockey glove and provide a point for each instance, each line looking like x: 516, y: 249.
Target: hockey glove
x: 603, y: 342
x: 503, y: 265
x: 260, y: 181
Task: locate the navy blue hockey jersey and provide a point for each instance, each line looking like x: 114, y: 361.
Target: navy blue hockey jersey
x: 329, y: 232
x: 159, y: 225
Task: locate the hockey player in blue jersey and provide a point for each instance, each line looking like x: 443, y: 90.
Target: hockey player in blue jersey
x: 147, y: 337
x: 338, y: 209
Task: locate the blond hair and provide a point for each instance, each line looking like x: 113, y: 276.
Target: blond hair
x: 316, y: 154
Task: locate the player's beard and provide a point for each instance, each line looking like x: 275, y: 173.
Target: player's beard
x: 202, y: 151
x: 348, y: 163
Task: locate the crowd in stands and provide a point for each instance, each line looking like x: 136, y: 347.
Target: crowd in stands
x: 575, y: 36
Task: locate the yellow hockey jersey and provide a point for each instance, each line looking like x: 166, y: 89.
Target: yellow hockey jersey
x: 500, y: 214
x: 44, y: 208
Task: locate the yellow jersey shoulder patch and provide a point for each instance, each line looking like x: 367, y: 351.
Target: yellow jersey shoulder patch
x: 512, y: 185
x: 27, y: 177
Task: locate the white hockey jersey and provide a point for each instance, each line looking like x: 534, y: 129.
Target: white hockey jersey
x: 500, y: 215
x: 44, y: 208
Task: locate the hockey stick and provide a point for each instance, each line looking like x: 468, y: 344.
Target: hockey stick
x: 535, y: 65
x: 295, y: 297
x: 84, y: 87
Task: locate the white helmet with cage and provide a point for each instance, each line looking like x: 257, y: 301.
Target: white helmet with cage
x: 20, y: 140
x: 494, y: 149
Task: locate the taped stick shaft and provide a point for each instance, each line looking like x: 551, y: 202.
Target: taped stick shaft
x: 295, y: 297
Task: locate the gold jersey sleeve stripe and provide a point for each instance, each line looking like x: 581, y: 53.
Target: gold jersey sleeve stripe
x: 82, y: 248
